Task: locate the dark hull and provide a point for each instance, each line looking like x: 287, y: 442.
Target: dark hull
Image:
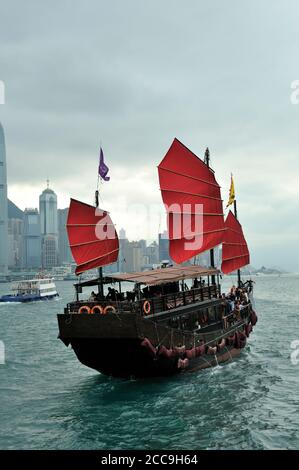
x: 128, y: 359
x: 113, y: 345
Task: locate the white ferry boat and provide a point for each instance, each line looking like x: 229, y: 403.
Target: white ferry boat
x: 31, y: 290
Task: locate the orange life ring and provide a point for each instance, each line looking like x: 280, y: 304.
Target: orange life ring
x: 84, y: 309
x: 146, y: 307
x: 109, y: 308
x: 97, y: 309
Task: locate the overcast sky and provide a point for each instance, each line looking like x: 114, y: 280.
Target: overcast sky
x: 135, y: 74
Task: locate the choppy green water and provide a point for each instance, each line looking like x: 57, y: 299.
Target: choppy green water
x: 48, y: 400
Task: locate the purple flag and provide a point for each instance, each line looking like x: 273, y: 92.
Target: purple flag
x: 103, y: 168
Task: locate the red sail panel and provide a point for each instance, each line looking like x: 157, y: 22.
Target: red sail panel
x: 235, y: 253
x: 193, y: 202
x: 92, y: 236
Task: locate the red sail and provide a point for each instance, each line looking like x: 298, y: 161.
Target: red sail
x: 235, y: 253
x: 190, y: 193
x: 92, y: 236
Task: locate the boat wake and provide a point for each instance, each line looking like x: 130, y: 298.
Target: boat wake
x: 9, y: 303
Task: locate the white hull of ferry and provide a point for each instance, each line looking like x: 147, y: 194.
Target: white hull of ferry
x: 32, y: 291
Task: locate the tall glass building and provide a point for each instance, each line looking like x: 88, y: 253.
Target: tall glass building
x: 48, y: 212
x: 64, y: 252
x: 49, y: 227
x: 3, y: 207
x: 31, y: 239
x: 164, y: 246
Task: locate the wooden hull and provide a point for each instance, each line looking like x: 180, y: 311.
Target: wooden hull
x: 114, y: 346
x: 128, y: 359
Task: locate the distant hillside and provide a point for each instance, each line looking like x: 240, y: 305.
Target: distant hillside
x: 13, y: 211
x: 276, y: 270
x: 248, y: 270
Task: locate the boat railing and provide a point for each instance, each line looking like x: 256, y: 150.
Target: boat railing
x: 236, y: 315
x: 152, y: 305
x: 169, y: 301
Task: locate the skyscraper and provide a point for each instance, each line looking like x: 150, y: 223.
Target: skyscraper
x: 64, y: 252
x: 31, y: 239
x: 48, y: 212
x: 164, y: 246
x: 15, y: 235
x: 49, y: 251
x: 133, y: 259
x: 122, y: 244
x: 49, y: 226
x: 15, y: 242
x: 152, y: 252
x: 3, y: 207
x: 122, y: 234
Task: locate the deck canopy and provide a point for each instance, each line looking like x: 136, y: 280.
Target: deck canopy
x: 156, y: 276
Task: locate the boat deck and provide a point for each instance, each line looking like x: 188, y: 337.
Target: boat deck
x: 157, y: 304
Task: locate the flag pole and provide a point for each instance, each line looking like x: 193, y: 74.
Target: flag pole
x: 100, y: 270
x: 236, y: 215
x: 212, y: 257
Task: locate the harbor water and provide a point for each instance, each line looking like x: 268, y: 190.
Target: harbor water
x: 48, y: 400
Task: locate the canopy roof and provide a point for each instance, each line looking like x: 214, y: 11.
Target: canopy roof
x: 164, y: 275
x: 157, y: 276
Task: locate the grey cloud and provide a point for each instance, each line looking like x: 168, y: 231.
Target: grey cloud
x: 135, y: 74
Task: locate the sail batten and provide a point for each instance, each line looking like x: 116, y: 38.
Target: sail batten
x: 189, y: 176
x: 92, y: 236
x: 193, y: 194
x: 235, y: 253
x: 97, y: 258
x: 189, y: 188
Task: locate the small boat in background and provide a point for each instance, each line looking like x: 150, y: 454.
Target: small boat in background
x: 31, y: 290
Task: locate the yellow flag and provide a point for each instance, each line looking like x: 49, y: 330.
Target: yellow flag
x: 231, y: 192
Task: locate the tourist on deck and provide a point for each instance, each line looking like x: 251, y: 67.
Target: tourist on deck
x: 233, y: 290
x: 244, y: 297
x: 195, y: 284
x: 231, y: 306
x: 112, y: 294
x: 92, y: 297
x: 226, y: 304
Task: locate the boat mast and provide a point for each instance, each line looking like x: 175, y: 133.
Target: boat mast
x: 212, y: 257
x: 100, y: 270
x: 236, y: 215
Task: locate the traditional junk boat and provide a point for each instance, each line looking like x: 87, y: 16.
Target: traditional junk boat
x: 161, y: 327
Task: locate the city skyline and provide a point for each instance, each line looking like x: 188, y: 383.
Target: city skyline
x: 3, y: 206
x: 135, y: 239
x: 144, y: 92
